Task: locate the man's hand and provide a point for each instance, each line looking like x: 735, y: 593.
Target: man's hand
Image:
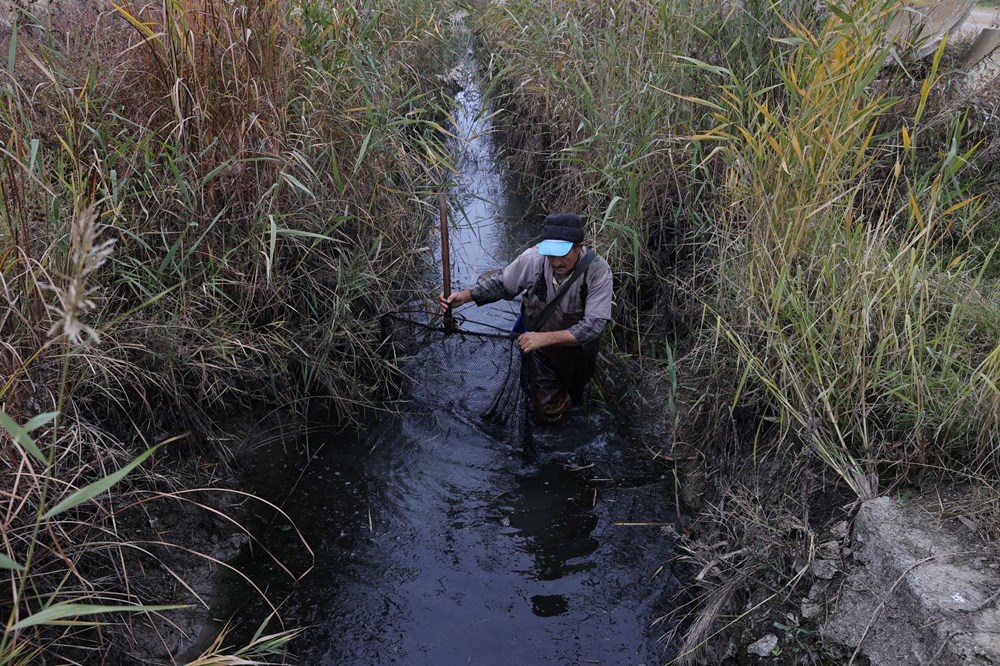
x: 456, y: 299
x: 532, y: 340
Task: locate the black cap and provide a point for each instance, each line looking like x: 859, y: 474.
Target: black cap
x: 563, y: 226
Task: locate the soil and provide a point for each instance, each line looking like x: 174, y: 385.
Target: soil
x: 190, y: 538
x: 198, y: 542
x: 59, y: 12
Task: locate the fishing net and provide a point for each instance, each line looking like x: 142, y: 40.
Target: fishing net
x: 478, y: 375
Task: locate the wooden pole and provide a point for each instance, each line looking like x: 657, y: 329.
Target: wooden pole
x: 449, y: 318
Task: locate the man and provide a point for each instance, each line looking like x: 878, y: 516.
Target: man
x: 561, y: 344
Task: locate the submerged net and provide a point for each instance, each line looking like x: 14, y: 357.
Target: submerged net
x: 477, y: 375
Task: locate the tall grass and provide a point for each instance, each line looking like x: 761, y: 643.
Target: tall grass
x: 863, y: 326
x: 204, y: 206
x: 768, y: 176
x: 799, y: 220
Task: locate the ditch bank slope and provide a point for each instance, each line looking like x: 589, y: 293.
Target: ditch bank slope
x: 917, y: 590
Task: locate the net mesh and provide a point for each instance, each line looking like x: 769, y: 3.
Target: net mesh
x: 474, y: 373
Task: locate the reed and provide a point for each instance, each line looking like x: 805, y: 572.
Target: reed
x: 593, y: 127
x: 204, y: 206
x: 766, y: 177
x: 862, y: 319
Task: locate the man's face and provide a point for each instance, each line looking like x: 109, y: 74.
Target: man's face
x: 562, y: 266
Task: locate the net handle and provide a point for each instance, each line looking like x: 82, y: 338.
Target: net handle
x: 449, y: 318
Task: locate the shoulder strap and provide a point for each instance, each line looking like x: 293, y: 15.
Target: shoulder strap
x: 580, y: 269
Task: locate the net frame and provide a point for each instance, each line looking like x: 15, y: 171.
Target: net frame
x: 509, y: 406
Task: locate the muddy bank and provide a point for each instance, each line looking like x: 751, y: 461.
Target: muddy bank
x: 193, y: 533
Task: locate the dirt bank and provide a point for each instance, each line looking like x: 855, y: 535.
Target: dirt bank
x: 187, y: 538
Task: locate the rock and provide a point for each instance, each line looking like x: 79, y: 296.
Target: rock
x: 829, y: 550
x: 839, y: 530
x: 817, y: 589
x: 970, y: 523
x: 916, y: 597
x: 933, y: 21
x: 824, y: 569
x: 982, y: 61
x: 764, y: 647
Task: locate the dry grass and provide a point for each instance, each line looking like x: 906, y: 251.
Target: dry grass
x: 204, y: 206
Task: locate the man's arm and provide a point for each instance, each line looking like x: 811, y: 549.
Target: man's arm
x: 454, y: 300
x: 505, y: 284
x: 530, y: 341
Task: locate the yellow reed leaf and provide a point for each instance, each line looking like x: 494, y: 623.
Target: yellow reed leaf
x: 868, y: 139
x: 695, y: 100
x: 794, y: 78
x: 906, y: 138
x: 916, y: 209
x: 144, y: 28
x: 795, y: 145
x: 763, y: 108
x: 962, y: 204
x: 774, y: 144
x: 62, y: 142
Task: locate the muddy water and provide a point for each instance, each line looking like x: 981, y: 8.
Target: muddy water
x: 437, y: 541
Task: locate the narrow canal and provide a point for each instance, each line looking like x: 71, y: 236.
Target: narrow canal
x: 437, y: 541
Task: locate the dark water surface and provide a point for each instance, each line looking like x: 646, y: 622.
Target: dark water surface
x: 437, y: 541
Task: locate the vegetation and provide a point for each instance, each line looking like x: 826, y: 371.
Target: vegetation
x: 798, y: 210
x: 204, y: 205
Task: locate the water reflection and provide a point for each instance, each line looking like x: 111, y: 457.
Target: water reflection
x: 551, y: 515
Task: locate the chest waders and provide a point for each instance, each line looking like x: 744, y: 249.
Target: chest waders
x: 558, y: 375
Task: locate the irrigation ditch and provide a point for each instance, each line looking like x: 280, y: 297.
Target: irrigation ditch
x: 787, y: 457
x: 417, y: 499
x: 438, y: 538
